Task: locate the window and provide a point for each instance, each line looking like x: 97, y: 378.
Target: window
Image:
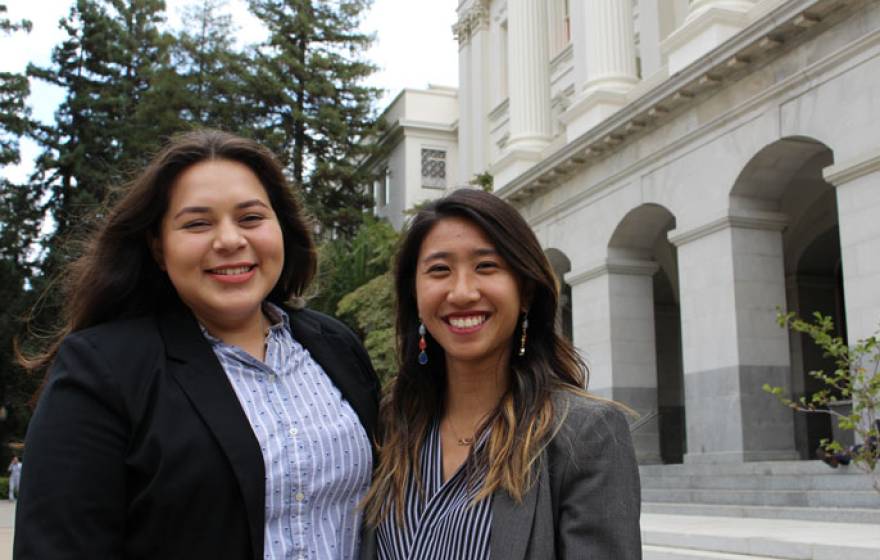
x: 387, y: 186
x: 433, y: 168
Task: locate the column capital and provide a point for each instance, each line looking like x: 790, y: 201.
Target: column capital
x: 471, y: 21
x: 736, y: 218
x: 631, y: 267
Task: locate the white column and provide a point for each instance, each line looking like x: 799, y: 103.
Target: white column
x: 613, y: 308
x: 857, y: 182
x: 479, y: 89
x: 611, y: 56
x: 556, y: 20
x: 461, y: 30
x: 708, y: 24
x: 609, y: 60
x: 529, y: 74
x: 530, y: 127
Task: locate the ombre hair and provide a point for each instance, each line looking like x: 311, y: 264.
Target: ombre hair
x: 525, y: 420
x: 117, y: 277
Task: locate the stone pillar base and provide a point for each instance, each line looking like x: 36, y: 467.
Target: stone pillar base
x: 513, y: 163
x: 593, y: 107
x: 702, y: 31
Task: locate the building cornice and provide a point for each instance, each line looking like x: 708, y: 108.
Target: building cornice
x: 762, y: 41
x: 738, y: 218
x: 846, y: 171
x: 631, y: 267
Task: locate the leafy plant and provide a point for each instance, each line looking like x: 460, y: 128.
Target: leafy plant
x: 855, y: 379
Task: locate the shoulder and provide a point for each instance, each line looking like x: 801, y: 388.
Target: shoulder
x: 322, y: 322
x: 117, y: 346
x: 126, y: 337
x: 586, y: 423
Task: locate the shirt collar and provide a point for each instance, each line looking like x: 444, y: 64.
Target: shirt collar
x: 277, y: 317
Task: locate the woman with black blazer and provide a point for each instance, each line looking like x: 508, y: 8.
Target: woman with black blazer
x: 491, y: 447
x: 189, y: 410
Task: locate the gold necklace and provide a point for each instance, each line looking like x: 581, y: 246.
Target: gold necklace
x: 462, y: 441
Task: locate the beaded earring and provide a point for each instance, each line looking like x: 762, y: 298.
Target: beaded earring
x: 522, y: 339
x: 423, y: 356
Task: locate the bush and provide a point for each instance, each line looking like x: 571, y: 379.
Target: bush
x: 856, y: 378
x: 370, y: 311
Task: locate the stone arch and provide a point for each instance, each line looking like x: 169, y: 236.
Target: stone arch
x: 784, y: 179
x: 561, y: 266
x: 646, y: 326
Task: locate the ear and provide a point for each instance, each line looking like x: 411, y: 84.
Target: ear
x: 155, y: 245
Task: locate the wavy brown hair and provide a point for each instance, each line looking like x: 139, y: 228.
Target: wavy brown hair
x: 117, y: 277
x: 524, y: 420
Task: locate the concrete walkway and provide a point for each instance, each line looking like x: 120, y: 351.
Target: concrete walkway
x: 685, y: 536
x: 7, y: 516
x: 668, y: 537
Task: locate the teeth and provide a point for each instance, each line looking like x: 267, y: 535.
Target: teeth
x: 467, y: 322
x: 231, y: 271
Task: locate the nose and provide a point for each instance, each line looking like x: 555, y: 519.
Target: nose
x: 228, y: 237
x: 464, y: 289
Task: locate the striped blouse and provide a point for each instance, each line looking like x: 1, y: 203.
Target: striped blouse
x: 317, y: 454
x: 442, y: 523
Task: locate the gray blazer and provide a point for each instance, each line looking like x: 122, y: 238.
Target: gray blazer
x: 586, y: 501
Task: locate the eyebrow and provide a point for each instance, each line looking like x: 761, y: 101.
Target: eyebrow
x: 439, y: 255
x: 206, y: 209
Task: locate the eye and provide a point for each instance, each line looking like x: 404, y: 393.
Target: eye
x: 196, y: 225
x: 251, y: 219
x: 437, y: 269
x: 487, y: 265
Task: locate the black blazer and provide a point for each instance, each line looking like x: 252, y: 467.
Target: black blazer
x: 139, y: 448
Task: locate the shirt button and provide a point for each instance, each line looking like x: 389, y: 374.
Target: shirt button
x: 300, y: 496
x: 293, y: 431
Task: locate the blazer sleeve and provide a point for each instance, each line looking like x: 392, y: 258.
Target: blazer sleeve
x: 72, y: 500
x: 598, y: 501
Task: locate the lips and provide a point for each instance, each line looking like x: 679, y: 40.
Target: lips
x: 231, y: 270
x: 234, y: 273
x: 466, y: 322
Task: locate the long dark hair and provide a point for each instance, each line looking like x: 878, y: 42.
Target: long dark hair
x: 524, y: 419
x: 117, y: 276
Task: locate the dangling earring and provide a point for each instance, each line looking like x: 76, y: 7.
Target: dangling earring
x: 423, y: 356
x: 522, y: 339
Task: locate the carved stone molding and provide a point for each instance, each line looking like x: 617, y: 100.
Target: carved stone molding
x: 471, y: 20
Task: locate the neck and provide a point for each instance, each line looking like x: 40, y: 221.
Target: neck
x: 473, y: 390
x: 248, y: 333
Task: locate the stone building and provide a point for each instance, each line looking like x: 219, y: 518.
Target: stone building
x: 689, y: 167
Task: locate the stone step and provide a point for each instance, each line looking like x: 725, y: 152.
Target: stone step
x: 758, y: 482
x: 672, y: 553
x: 752, y: 468
x: 761, y: 538
x: 784, y: 498
x: 833, y: 515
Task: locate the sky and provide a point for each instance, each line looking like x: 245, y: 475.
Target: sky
x: 414, y: 47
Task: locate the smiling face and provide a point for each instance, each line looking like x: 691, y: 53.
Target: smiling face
x: 220, y: 243
x: 467, y: 295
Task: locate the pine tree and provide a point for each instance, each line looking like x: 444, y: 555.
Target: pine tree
x: 214, y: 73
x: 120, y: 105
x: 18, y: 230
x: 314, y: 110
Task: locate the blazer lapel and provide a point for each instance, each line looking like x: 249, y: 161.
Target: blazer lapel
x: 512, y: 522
x: 202, y: 378
x: 335, y: 355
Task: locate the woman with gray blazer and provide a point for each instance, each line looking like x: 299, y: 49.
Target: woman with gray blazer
x: 491, y: 448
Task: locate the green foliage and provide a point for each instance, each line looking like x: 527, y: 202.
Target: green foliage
x: 344, y: 264
x: 4, y: 487
x: 370, y: 310
x: 484, y: 180
x: 856, y: 378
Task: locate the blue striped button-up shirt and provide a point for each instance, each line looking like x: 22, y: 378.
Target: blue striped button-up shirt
x: 442, y: 522
x: 316, y: 452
